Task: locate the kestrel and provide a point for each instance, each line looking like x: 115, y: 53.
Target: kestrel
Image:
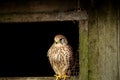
x: 60, y: 56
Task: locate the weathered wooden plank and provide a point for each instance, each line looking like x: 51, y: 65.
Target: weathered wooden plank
x: 36, y: 17
x: 107, y: 44
x: 27, y: 78
x: 93, y: 47
x: 83, y: 49
x: 111, y: 45
x: 102, y: 47
x: 118, y: 42
x: 34, y: 78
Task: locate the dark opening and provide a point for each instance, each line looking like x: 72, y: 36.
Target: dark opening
x: 24, y: 46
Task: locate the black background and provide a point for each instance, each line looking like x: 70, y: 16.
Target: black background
x: 24, y: 46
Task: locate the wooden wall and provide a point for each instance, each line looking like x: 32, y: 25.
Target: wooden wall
x: 100, y: 43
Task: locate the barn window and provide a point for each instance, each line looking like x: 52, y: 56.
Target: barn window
x: 25, y: 45
x: 27, y: 33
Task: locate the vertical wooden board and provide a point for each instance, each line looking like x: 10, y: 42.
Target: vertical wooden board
x: 102, y: 48
x: 111, y: 45
x: 93, y: 47
x: 118, y: 15
x: 119, y: 52
x: 83, y: 47
x: 107, y: 44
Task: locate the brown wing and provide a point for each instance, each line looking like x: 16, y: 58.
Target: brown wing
x: 71, y: 62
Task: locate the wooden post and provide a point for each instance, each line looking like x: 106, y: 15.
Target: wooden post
x: 83, y: 49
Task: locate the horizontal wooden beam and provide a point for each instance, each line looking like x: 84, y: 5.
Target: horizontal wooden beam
x: 27, y: 78
x: 39, y: 16
x: 33, y: 78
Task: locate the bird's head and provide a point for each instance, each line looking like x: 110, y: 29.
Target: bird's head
x: 60, y: 39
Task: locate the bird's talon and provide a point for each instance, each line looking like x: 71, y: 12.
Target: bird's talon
x: 57, y: 77
x: 64, y: 77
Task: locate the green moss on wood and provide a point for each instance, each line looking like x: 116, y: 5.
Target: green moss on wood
x: 93, y: 48
x: 83, y: 49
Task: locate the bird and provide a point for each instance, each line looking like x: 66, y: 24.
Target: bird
x: 60, y: 56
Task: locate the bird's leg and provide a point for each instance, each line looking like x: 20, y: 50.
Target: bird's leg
x: 57, y: 77
x: 64, y: 77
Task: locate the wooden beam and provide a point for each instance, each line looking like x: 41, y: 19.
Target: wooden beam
x: 83, y: 49
x: 27, y: 78
x: 36, y: 17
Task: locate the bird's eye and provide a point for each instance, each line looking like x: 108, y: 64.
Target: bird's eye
x: 62, y: 40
